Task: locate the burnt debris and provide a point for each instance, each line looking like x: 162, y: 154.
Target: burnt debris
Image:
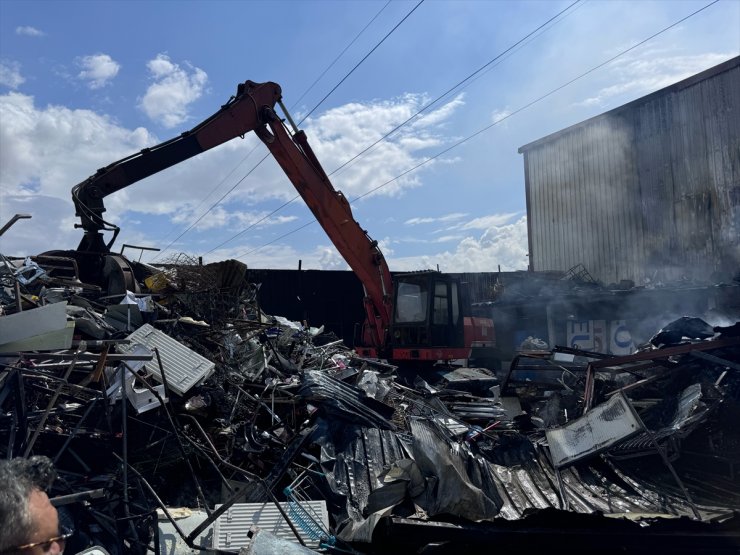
x: 180, y: 416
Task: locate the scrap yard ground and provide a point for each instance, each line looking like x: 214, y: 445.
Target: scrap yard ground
x: 189, y: 418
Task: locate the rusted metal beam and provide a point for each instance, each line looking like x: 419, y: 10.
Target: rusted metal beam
x: 588, y: 394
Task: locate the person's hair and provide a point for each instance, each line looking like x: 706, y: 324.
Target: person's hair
x: 18, y: 479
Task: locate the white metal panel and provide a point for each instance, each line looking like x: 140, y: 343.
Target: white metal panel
x: 183, y: 367
x: 601, y: 427
x: 230, y: 529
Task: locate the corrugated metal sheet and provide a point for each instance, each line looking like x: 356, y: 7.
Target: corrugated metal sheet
x: 650, y: 190
x: 184, y: 368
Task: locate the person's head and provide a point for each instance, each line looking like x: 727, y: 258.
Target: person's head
x: 29, y: 524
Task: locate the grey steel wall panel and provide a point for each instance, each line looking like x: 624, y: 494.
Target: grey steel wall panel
x: 649, y: 191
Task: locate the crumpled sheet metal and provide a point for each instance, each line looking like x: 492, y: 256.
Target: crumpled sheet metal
x: 456, y: 480
x: 353, y: 459
x: 468, y: 485
x: 344, y: 401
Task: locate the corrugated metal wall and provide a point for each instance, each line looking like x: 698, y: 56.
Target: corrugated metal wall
x: 648, y: 191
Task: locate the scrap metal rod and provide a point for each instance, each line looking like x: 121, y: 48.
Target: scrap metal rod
x: 647, y: 355
x: 124, y: 440
x: 663, y: 456
x: 177, y: 435
x: 166, y: 512
x: 50, y: 406
x: 76, y: 429
x: 249, y: 475
x: 81, y: 356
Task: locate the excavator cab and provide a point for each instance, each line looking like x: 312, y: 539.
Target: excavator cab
x: 427, y: 313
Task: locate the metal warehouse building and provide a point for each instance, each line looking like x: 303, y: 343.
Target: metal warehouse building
x: 649, y: 191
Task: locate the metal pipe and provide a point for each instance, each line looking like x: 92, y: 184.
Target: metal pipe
x: 75, y: 430
x: 177, y: 435
x: 60, y: 500
x: 52, y: 401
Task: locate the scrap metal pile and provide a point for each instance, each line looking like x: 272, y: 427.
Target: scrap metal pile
x: 181, y: 416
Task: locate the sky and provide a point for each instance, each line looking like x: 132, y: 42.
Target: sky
x: 83, y: 84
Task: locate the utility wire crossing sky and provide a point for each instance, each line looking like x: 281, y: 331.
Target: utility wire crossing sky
x: 434, y: 176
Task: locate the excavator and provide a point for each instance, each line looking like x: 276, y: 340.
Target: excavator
x: 420, y: 317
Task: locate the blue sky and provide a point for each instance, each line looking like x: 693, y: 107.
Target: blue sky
x: 83, y: 84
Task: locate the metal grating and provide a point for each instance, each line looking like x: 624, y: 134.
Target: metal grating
x: 231, y: 528
x: 184, y: 368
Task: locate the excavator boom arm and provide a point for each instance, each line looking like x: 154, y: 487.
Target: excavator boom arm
x: 240, y: 115
x: 333, y: 212
x: 252, y: 109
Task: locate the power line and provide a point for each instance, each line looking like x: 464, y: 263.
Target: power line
x: 487, y: 127
x: 456, y: 86
x: 351, y: 71
x: 206, y: 198
x: 227, y: 193
x: 262, y: 219
x: 312, y: 85
x: 307, y: 115
x: 470, y: 76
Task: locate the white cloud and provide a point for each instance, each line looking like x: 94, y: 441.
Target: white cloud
x: 499, y: 115
x: 98, y: 70
x: 486, y: 222
x: 174, y: 89
x: 10, y: 74
x: 330, y: 259
x: 221, y: 217
x: 447, y: 238
x: 46, y: 151
x: 428, y: 220
x: 29, y: 31
x: 342, y: 132
x: 650, y: 72
x: 504, y: 245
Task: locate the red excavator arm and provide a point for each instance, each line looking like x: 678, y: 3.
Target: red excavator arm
x: 252, y: 109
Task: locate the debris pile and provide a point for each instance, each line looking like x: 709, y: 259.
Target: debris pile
x: 179, y: 416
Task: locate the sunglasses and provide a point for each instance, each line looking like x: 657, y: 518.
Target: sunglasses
x: 61, y: 539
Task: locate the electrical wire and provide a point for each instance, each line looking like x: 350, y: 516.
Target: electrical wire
x: 499, y: 56
x: 218, y: 186
x: 373, y: 49
x: 496, y: 122
x: 449, y: 91
x: 312, y: 85
x: 307, y: 115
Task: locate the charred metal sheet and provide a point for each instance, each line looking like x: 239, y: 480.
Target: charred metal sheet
x: 353, y: 459
x: 657, y: 354
x: 673, y: 417
x: 184, y: 367
x: 460, y: 485
x: 598, y: 429
x: 344, y: 401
